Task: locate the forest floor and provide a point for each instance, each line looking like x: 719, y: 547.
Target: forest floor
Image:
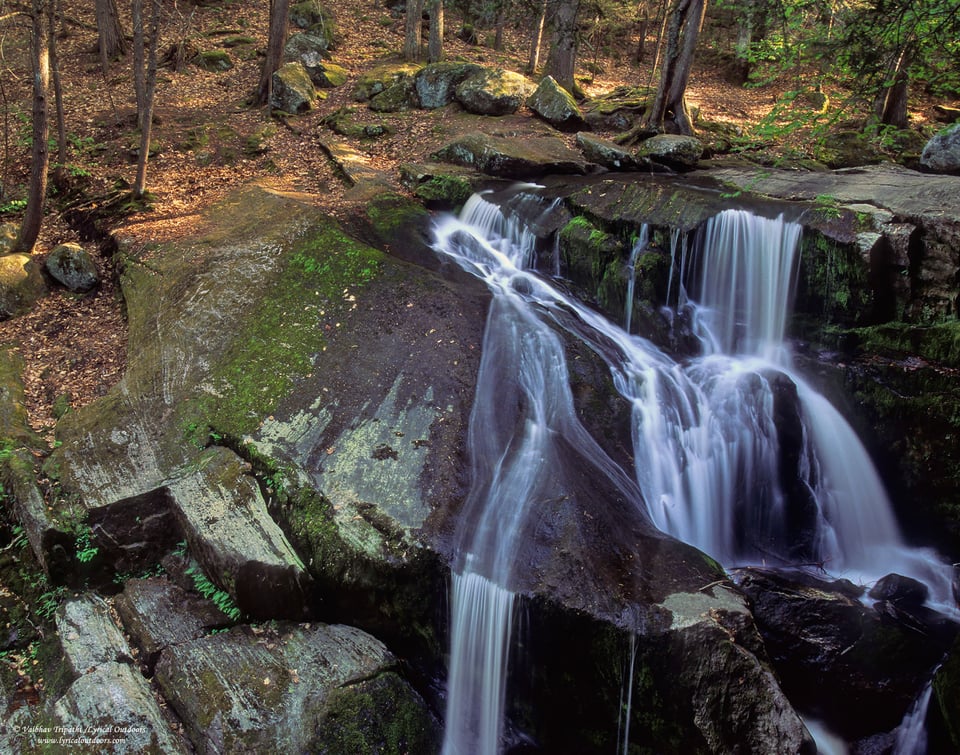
x: 208, y: 140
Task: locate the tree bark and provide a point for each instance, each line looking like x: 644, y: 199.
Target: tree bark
x: 109, y: 33
x: 150, y: 90
x: 413, y: 31
x: 40, y: 154
x: 892, y: 102
x: 279, y: 11
x: 562, y: 62
x: 60, y: 171
x: 536, y: 40
x: 435, y: 45
x: 686, y: 17
x: 139, y: 56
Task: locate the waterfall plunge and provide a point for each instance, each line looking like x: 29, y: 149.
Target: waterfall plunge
x: 708, y: 443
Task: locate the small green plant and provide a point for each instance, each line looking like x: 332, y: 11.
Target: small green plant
x: 12, y: 206
x: 86, y: 550
x: 827, y: 205
x: 221, y: 598
x: 49, y: 601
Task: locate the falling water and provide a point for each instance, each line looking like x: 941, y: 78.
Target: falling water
x: 639, y: 247
x: 712, y: 436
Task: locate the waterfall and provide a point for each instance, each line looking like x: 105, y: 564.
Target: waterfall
x: 734, y: 452
x: 639, y: 247
x: 911, y: 735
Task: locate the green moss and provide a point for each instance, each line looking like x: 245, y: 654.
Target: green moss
x: 213, y: 61
x: 594, y: 260
x: 278, y: 341
x: 449, y: 191
x: 380, y: 715
x: 834, y: 283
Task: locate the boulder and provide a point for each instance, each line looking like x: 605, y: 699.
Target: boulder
x: 877, y: 660
x: 618, y: 110
x: 293, y: 90
x: 673, y: 150
x: 221, y: 513
x: 903, y: 591
x: 315, y: 17
x: 71, y: 266
x: 308, y: 49
x: 494, y: 92
x: 555, y: 105
x: 213, y: 61
x: 21, y: 284
x: 293, y: 688
x: 328, y: 75
x: 157, y: 613
x: 436, y: 83
x: 395, y: 98
x: 381, y: 78
x: 942, y: 153
x: 607, y: 153
x: 512, y: 158
x: 108, y: 700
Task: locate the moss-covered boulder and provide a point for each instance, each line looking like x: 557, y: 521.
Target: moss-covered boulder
x: 512, y: 158
x: 494, y: 92
x: 8, y: 236
x: 673, y: 150
x: 379, y: 79
x: 436, y: 83
x: 607, y: 153
x: 21, y: 284
x: 618, y: 110
x: 293, y: 90
x: 213, y: 61
x: 294, y: 688
x: 307, y: 48
x: 316, y: 17
x: 555, y: 105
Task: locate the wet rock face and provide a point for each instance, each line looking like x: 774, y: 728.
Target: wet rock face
x: 876, y: 658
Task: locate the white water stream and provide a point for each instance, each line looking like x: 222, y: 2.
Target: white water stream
x: 707, y: 437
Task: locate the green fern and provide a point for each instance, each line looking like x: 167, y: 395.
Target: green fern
x: 220, y: 598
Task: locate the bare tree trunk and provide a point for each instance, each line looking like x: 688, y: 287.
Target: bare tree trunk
x: 892, y: 102
x: 279, y: 10
x: 501, y: 23
x: 150, y: 90
x: 60, y: 169
x: 139, y: 55
x: 40, y: 155
x: 435, y: 45
x: 642, y: 34
x: 562, y: 62
x: 413, y: 30
x: 686, y: 16
x: 741, y: 49
x: 536, y: 40
x: 111, y: 40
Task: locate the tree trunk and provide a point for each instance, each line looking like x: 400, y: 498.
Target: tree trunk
x: 642, y: 34
x: 40, y: 155
x: 150, y: 89
x: 60, y: 171
x: 536, y: 39
x: 741, y: 50
x: 111, y: 40
x: 686, y: 16
x: 562, y: 62
x: 139, y: 67
x: 435, y: 45
x: 892, y: 103
x: 279, y: 10
x: 413, y: 31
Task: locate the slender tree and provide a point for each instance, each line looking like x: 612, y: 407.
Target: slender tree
x: 435, y: 44
x: 112, y: 43
x: 683, y: 29
x: 59, y: 172
x: 145, y: 117
x: 40, y: 154
x: 279, y: 11
x: 536, y: 39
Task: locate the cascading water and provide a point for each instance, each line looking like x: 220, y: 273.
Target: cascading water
x: 734, y: 452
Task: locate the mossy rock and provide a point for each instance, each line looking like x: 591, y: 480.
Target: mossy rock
x: 346, y: 122
x: 380, y: 78
x: 21, y: 284
x: 318, y: 18
x: 213, y: 61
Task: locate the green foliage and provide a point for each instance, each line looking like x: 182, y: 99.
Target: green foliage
x: 12, y: 206
x: 220, y: 598
x: 85, y: 549
x: 49, y: 601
